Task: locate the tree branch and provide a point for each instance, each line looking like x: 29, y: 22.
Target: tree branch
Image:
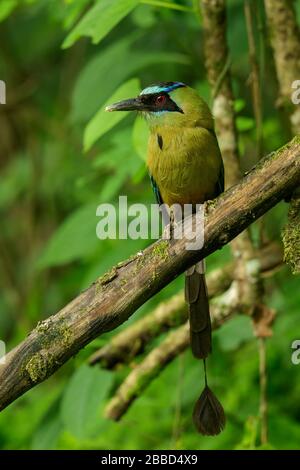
x: 218, y: 74
x: 219, y: 77
x: 115, y: 296
x: 285, y: 41
x: 131, y: 341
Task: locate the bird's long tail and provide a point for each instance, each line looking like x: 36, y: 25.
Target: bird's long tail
x: 197, y: 299
x: 208, y: 415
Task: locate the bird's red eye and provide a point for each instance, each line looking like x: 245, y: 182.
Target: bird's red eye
x: 161, y: 99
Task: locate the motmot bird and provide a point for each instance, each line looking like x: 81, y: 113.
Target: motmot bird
x: 185, y: 167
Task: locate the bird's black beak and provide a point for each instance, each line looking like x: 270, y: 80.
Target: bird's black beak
x: 133, y: 104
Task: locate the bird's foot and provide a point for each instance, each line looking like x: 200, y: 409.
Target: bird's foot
x: 168, y: 232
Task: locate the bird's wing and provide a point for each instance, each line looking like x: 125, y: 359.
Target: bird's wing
x: 160, y: 202
x: 156, y: 190
x: 220, y: 183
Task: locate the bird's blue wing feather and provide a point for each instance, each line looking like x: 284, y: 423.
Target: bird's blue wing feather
x: 160, y: 202
x: 156, y: 190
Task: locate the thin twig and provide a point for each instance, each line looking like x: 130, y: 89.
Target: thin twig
x: 217, y: 66
x: 263, y: 390
x: 221, y: 77
x: 255, y: 78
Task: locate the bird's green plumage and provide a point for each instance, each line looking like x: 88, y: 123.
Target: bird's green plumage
x: 184, y: 158
x: 185, y: 167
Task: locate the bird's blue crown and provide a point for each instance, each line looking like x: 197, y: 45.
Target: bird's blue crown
x: 161, y: 87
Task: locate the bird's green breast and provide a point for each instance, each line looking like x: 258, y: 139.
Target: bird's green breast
x: 185, y: 163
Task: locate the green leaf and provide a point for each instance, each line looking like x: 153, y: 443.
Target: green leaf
x: 92, y: 88
x: 15, y: 180
x: 6, y: 7
x: 47, y: 435
x: 144, y: 16
x: 244, y: 123
x: 83, y: 397
x: 239, y: 104
x: 103, y: 121
x: 140, y: 136
x: 120, y: 159
x: 88, y: 95
x: 250, y: 434
x: 100, y: 19
x: 113, y: 185
x: 170, y: 5
x: 234, y: 333
x: 73, y: 10
x: 74, y: 239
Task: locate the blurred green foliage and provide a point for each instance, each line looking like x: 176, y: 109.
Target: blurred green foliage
x: 49, y: 191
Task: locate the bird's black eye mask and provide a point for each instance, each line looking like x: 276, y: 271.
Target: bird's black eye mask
x: 158, y: 102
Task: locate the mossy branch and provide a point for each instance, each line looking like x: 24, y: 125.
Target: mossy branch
x: 107, y: 303
x: 291, y: 236
x: 131, y: 342
x: 221, y: 283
